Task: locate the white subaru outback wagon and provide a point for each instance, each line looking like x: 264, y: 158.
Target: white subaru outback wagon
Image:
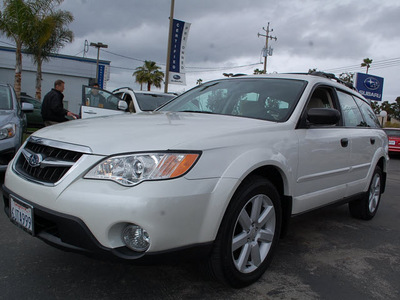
x: 218, y: 171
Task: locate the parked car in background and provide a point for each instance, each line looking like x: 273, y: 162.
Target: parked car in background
x: 218, y: 171
x: 12, y: 124
x: 34, y: 118
x: 119, y: 101
x: 394, y: 139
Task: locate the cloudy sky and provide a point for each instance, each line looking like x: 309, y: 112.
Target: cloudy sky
x: 333, y: 36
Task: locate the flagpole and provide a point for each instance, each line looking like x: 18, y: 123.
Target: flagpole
x: 171, y: 19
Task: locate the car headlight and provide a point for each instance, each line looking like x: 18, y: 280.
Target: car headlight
x: 7, y: 131
x: 132, y: 169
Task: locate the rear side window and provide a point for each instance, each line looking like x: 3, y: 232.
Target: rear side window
x: 352, y: 116
x: 368, y: 113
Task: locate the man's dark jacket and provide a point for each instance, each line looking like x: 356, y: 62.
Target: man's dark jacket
x: 53, y: 108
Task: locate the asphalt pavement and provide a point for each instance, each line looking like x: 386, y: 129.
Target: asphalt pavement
x: 326, y: 255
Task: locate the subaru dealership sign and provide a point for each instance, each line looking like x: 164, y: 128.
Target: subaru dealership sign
x: 180, y: 31
x: 370, y: 86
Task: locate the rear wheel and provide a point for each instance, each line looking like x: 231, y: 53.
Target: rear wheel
x: 367, y: 207
x: 248, y: 234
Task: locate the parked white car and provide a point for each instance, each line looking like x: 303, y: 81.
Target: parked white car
x: 98, y: 102
x: 219, y: 170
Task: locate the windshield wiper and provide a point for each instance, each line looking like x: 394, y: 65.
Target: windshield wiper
x: 197, y: 111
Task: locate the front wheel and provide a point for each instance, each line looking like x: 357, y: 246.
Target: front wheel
x: 248, y: 234
x: 367, y: 207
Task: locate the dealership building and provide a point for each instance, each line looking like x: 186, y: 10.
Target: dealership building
x: 74, y: 71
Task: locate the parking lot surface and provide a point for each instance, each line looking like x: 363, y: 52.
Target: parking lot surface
x: 326, y: 255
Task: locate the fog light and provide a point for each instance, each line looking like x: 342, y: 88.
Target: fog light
x: 136, y: 238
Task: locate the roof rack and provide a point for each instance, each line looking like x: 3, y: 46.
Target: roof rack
x: 239, y: 74
x: 332, y: 76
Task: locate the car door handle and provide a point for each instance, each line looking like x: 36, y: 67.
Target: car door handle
x: 372, y: 140
x: 90, y: 112
x: 344, y: 142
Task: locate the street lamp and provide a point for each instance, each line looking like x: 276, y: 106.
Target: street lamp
x: 383, y: 115
x: 98, y: 46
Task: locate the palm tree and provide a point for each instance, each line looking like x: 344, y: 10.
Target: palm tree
x: 149, y: 73
x: 16, y: 23
x: 50, y: 34
x: 366, y: 63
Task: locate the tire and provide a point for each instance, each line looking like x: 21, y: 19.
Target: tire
x: 248, y: 234
x: 366, y: 207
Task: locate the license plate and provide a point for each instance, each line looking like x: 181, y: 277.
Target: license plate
x: 392, y: 143
x: 21, y: 214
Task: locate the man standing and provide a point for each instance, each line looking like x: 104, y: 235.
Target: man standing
x: 94, y: 99
x: 53, y: 111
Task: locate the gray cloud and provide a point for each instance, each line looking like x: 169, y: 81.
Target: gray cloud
x: 310, y: 33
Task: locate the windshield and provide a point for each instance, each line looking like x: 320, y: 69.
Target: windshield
x: 269, y: 99
x: 5, y: 98
x: 149, y: 102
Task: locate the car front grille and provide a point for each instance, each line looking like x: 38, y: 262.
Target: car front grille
x: 46, y: 161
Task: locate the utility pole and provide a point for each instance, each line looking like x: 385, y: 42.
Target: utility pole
x: 267, y: 51
x: 98, y: 46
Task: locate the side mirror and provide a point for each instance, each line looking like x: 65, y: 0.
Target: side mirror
x: 122, y: 105
x: 27, y: 107
x: 323, y: 116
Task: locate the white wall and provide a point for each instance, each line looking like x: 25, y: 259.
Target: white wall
x: 74, y: 71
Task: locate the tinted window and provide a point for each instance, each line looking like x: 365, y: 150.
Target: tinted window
x: 351, y: 114
x: 369, y: 115
x: 95, y: 97
x: 149, y: 102
x: 5, y: 98
x: 392, y: 132
x: 267, y: 99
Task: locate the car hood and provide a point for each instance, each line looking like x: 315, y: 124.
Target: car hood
x: 154, y: 131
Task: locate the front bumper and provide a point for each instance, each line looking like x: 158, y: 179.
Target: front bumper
x: 8, y: 148
x: 71, y: 234
x: 89, y: 215
x: 5, y: 157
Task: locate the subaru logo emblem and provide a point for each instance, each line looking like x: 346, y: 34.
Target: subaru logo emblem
x: 177, y: 77
x: 371, y: 83
x: 35, y: 160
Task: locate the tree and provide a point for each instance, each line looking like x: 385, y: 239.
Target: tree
x: 258, y: 71
x: 366, y: 63
x: 392, y: 109
x: 149, y: 73
x: 347, y: 77
x: 49, y: 35
x: 16, y: 22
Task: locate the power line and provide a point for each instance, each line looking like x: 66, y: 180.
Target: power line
x: 381, y: 64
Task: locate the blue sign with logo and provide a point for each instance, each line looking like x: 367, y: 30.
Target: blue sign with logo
x: 370, y: 86
x: 100, y: 76
x: 179, y: 35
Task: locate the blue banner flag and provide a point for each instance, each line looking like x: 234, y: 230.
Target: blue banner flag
x: 370, y: 86
x: 180, y: 31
